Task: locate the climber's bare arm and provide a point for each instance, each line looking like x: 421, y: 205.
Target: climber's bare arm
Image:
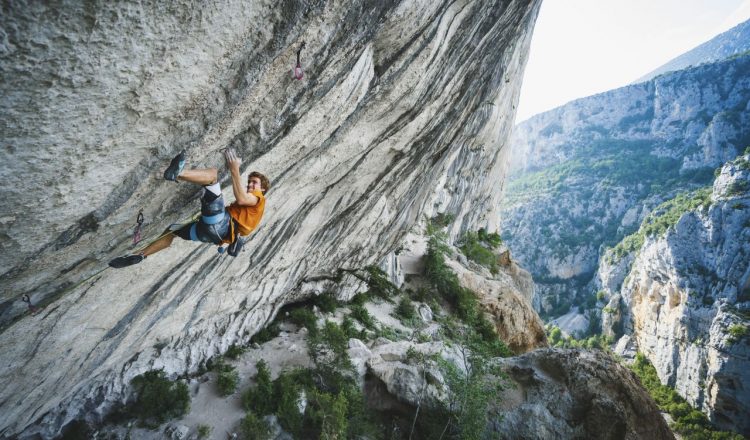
x: 233, y: 164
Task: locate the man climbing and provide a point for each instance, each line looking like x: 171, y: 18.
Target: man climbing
x: 217, y: 224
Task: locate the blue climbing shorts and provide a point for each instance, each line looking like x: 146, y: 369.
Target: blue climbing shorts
x: 213, y: 225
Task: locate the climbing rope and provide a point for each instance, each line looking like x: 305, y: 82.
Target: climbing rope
x: 34, y: 309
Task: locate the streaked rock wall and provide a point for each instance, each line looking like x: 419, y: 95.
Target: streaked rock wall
x: 404, y: 110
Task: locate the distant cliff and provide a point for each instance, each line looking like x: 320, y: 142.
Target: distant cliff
x: 404, y: 110
x: 585, y: 175
x: 681, y: 295
x: 735, y: 41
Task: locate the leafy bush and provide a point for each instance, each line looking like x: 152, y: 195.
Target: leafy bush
x: 347, y: 326
x: 77, y: 430
x: 304, y: 317
x: 266, y: 333
x: 442, y: 220
x: 464, y: 301
x: 227, y: 378
x: 326, y: 302
x: 690, y: 423
x: 470, y: 393
x: 259, y: 399
x: 556, y: 339
x: 662, y: 218
x: 378, y: 283
x: 737, y: 332
x: 234, y: 351
x: 253, y: 427
x: 203, y: 431
x: 159, y: 399
x: 227, y: 382
x: 360, y: 313
x: 405, y: 309
x: 477, y: 247
x: 736, y: 188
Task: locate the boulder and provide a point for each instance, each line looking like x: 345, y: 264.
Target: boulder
x: 555, y: 393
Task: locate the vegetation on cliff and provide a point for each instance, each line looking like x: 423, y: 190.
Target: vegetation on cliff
x: 690, y: 423
x: 662, y: 218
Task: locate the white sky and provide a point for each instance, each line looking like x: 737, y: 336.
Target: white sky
x: 583, y: 47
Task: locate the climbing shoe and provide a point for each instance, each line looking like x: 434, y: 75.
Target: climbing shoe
x: 127, y: 260
x: 175, y: 167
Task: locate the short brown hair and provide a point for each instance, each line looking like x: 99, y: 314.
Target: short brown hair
x: 265, y: 184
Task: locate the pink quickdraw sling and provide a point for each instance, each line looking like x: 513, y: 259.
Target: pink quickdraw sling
x: 297, y: 72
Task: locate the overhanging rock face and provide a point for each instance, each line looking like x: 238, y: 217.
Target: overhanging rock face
x: 404, y: 109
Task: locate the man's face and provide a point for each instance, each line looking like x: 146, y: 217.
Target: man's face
x: 253, y: 184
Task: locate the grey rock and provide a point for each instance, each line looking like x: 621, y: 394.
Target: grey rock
x: 425, y: 313
x: 695, y: 119
x: 405, y: 109
x: 410, y: 382
x: 556, y: 393
x: 686, y: 289
x: 176, y: 432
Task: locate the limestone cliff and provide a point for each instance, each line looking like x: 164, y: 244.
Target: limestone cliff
x: 685, y: 300
x: 404, y: 105
x: 586, y: 174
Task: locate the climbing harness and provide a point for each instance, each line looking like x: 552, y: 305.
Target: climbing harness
x: 137, y: 231
x: 298, y: 73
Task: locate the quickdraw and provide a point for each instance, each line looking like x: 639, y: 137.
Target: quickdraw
x: 32, y: 308
x: 298, y: 73
x: 137, y: 231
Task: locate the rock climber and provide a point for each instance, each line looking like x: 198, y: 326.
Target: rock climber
x: 218, y: 224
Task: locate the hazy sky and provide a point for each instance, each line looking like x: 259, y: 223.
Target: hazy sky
x: 583, y: 47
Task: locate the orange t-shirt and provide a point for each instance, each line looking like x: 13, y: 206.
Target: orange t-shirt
x: 248, y: 217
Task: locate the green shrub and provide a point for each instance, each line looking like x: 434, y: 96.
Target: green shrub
x: 304, y: 317
x: 260, y: 398
x: 378, y: 283
x: 464, y: 301
x: 662, y: 218
x: 470, y: 393
x: 690, y: 423
x: 347, y: 326
x: 326, y: 302
x: 360, y: 313
x: 476, y: 249
x: 442, y: 220
x: 736, y: 332
x: 334, y: 337
x: 253, y: 427
x: 159, y: 399
x: 234, y: 351
x: 405, y: 309
x: 287, y: 392
x: 227, y: 382
x: 203, y: 431
x: 327, y: 415
x: 600, y: 295
x: 736, y: 188
x: 77, y: 430
x: 556, y: 339
x: 266, y: 333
